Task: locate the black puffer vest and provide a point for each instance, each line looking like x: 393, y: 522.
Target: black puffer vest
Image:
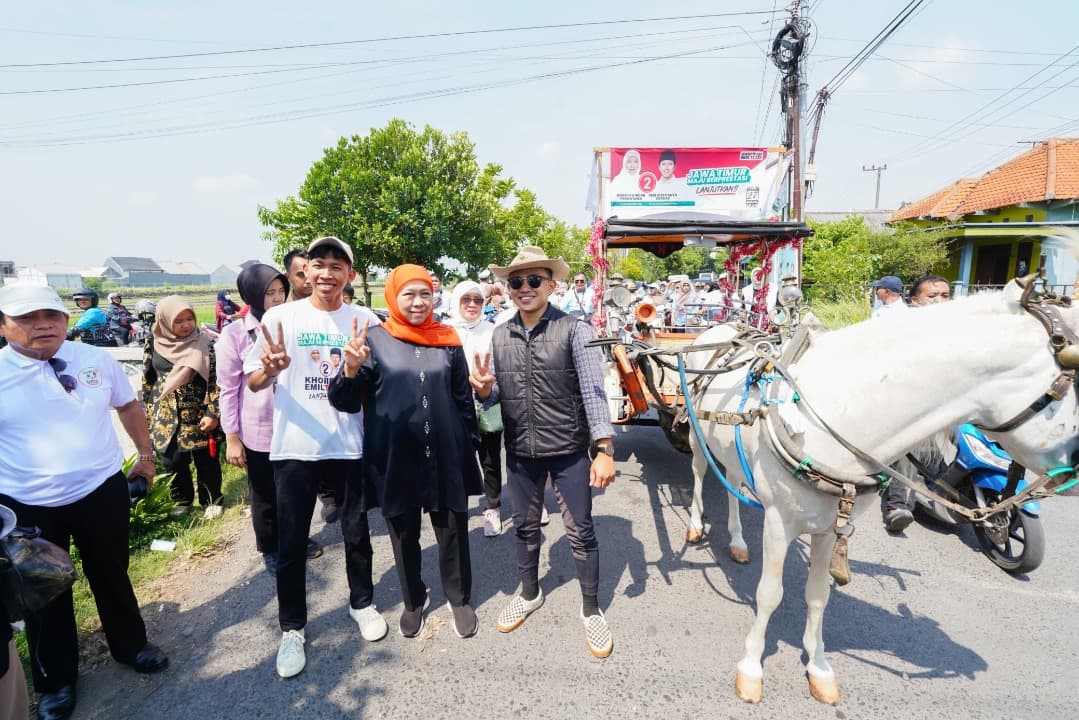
x: 541, y: 401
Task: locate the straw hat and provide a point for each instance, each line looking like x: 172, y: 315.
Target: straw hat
x: 530, y: 257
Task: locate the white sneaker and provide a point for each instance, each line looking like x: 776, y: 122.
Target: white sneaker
x: 517, y: 611
x: 291, y: 659
x: 544, y: 517
x: 492, y: 522
x: 597, y: 634
x: 212, y: 512
x: 372, y: 625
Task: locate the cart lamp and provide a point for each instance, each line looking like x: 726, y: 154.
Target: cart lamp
x: 790, y: 295
x: 704, y: 241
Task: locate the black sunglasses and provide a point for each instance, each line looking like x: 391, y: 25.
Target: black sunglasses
x: 534, y: 281
x: 67, y: 382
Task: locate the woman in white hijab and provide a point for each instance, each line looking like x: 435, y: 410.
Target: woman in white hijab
x: 681, y: 303
x: 626, y: 182
x: 466, y: 315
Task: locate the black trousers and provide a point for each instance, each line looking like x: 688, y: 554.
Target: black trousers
x: 569, y: 478
x: 263, y: 491
x: 208, y: 470
x: 490, y: 454
x: 98, y: 524
x: 454, y: 560
x: 297, y: 486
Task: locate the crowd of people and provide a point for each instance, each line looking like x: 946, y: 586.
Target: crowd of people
x: 324, y: 402
x: 321, y: 402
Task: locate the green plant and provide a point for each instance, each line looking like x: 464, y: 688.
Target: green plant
x: 150, y: 515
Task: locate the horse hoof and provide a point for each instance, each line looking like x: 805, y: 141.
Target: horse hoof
x: 738, y: 554
x: 748, y: 689
x: 825, y: 691
x: 694, y: 535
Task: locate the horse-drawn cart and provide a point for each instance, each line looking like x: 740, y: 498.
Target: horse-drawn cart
x: 634, y: 333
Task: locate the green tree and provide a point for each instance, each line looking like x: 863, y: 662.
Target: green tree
x: 400, y: 195
x: 843, y: 256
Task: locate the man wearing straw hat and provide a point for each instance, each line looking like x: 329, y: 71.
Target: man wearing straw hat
x: 555, y: 415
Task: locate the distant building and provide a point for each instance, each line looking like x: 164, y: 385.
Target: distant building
x: 56, y: 275
x: 134, y: 272
x: 184, y: 273
x: 997, y: 225
x: 225, y: 276
x: 146, y: 272
x: 7, y: 271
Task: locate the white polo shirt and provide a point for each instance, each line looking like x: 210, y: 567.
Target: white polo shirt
x: 57, y: 447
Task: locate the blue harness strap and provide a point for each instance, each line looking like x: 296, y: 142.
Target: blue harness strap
x: 696, y: 426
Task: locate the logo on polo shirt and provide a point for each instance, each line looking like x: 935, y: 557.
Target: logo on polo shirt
x: 90, y: 377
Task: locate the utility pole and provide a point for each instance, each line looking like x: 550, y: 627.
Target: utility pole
x: 796, y: 131
x: 878, y: 171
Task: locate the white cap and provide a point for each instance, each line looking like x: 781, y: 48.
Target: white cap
x: 335, y: 242
x: 22, y: 299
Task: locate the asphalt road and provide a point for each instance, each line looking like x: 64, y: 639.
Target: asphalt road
x: 928, y: 628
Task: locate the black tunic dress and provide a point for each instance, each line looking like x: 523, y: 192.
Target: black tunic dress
x: 419, y: 424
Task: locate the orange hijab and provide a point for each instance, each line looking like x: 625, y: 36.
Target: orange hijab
x: 431, y: 332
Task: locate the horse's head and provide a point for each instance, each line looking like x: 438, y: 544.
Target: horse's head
x: 1050, y: 437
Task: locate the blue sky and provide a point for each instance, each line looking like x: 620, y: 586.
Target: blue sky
x: 156, y: 169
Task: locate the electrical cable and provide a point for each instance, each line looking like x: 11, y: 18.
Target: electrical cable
x: 199, y: 128
x: 391, y: 38
x: 442, y: 55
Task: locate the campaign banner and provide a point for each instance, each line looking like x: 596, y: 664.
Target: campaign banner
x: 741, y: 183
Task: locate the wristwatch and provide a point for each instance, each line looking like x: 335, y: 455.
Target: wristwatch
x: 147, y: 457
x: 605, y: 449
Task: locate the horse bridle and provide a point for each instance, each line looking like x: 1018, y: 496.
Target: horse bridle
x: 1045, y: 307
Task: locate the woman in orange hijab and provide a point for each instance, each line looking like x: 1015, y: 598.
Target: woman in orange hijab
x: 419, y: 439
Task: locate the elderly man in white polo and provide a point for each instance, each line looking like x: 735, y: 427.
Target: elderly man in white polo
x: 60, y: 470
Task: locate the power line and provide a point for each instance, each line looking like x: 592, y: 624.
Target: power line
x: 764, y: 74
x: 390, y: 38
x: 199, y: 128
x: 125, y: 111
x: 950, y: 133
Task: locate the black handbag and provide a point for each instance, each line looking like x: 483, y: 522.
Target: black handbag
x: 33, y: 572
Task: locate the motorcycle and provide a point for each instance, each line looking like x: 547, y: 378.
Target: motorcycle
x: 143, y: 324
x: 981, y: 475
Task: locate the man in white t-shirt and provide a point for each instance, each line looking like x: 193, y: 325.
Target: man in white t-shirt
x: 60, y: 469
x: 889, y: 291
x: 312, y: 441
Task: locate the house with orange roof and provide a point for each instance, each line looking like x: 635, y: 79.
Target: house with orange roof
x: 998, y: 225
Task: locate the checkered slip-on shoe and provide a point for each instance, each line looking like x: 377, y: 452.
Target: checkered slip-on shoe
x: 516, y: 611
x: 597, y: 634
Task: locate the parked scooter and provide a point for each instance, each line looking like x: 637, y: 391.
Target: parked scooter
x: 982, y: 474
x: 143, y: 324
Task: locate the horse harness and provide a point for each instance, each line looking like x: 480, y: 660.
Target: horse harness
x: 1064, y: 343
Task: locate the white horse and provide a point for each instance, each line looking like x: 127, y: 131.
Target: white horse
x: 884, y: 386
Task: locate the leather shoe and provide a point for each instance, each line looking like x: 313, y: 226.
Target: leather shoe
x: 56, y: 705
x: 149, y: 660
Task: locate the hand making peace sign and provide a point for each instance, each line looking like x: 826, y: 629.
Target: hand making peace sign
x: 481, y: 379
x: 274, y: 356
x: 356, y: 349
